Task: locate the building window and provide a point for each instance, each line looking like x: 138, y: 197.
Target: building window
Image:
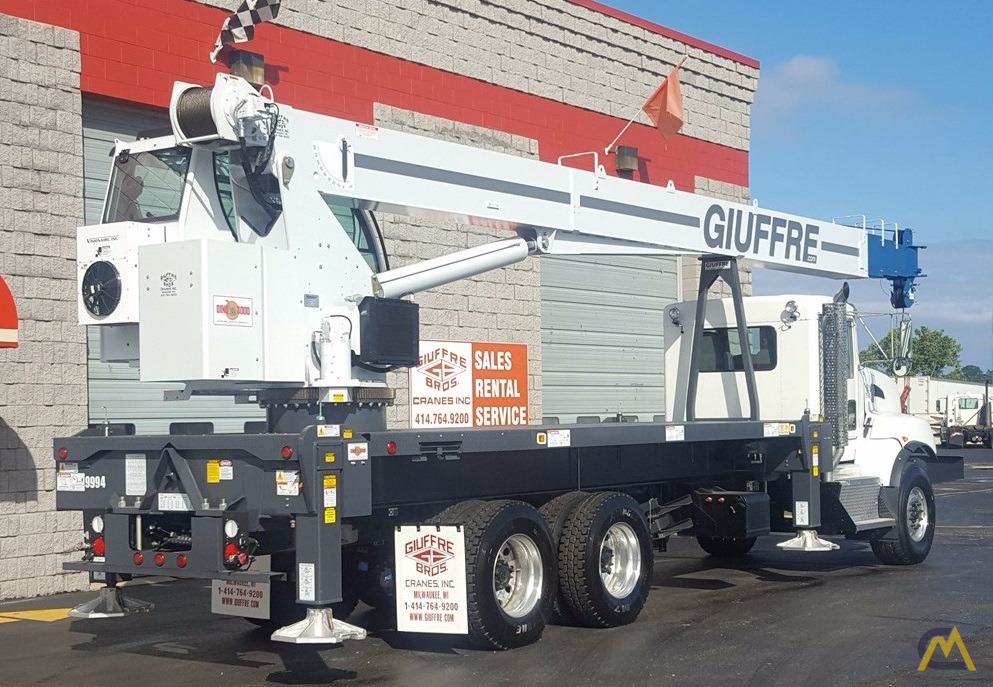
x: 721, y: 349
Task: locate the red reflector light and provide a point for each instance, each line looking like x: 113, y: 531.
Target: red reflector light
x: 181, y: 560
x: 138, y: 557
x: 720, y: 499
x: 230, y: 551
x: 99, y: 546
x: 708, y: 499
x: 159, y: 558
x: 287, y: 452
x: 63, y: 453
x: 391, y: 447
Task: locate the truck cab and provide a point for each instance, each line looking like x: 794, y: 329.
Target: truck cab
x: 788, y: 346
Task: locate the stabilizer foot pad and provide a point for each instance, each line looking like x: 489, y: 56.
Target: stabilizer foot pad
x: 111, y: 603
x: 319, y: 627
x: 807, y: 540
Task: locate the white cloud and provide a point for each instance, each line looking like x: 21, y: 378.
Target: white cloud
x: 807, y: 81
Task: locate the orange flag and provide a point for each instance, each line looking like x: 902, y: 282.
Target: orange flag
x: 665, y: 106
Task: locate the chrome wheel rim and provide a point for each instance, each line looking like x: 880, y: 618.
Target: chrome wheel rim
x: 517, y: 575
x: 620, y: 560
x: 917, y: 514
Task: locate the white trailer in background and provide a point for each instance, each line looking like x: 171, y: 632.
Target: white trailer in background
x: 958, y: 410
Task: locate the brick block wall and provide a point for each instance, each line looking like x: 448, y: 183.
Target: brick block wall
x: 43, y: 382
x: 556, y: 49
x: 503, y: 305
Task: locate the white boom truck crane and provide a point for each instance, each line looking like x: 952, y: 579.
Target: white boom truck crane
x: 220, y: 264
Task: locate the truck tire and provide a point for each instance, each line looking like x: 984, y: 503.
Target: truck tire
x: 726, y: 548
x: 606, y: 561
x: 556, y: 513
x: 510, y: 574
x: 909, y: 542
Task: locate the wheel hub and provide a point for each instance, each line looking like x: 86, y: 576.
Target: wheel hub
x: 917, y: 514
x: 517, y: 576
x: 620, y: 560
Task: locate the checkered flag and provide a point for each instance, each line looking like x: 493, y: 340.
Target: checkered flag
x: 240, y: 26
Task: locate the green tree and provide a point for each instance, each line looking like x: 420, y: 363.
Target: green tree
x: 932, y: 352
x: 972, y: 373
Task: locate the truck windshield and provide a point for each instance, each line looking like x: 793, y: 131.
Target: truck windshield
x: 148, y: 186
x: 968, y: 403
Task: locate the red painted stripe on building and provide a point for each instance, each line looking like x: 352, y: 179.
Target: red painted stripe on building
x: 133, y: 50
x: 651, y: 26
x: 8, y: 317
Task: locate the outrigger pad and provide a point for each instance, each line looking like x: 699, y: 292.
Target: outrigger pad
x: 807, y: 540
x: 319, y: 627
x: 111, y: 603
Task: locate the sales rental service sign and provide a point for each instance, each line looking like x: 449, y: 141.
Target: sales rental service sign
x: 469, y: 384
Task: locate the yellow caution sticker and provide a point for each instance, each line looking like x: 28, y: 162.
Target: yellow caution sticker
x: 330, y: 491
x: 213, y: 471
x: 329, y: 456
x: 346, y: 433
x: 330, y: 516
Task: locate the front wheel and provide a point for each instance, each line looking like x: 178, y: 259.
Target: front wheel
x: 909, y: 542
x: 726, y: 548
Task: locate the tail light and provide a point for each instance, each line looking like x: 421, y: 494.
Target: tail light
x: 181, y: 560
x: 160, y: 559
x: 138, y: 557
x: 99, y: 546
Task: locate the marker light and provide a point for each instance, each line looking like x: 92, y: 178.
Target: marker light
x: 63, y: 453
x: 391, y: 447
x: 160, y: 559
x: 230, y: 529
x: 99, y: 546
x: 287, y: 452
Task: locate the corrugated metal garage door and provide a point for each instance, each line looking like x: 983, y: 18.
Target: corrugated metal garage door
x: 114, y: 390
x: 601, y: 333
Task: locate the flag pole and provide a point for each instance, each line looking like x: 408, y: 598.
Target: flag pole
x: 606, y: 151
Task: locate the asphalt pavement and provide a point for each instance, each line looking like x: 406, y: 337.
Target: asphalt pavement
x: 773, y: 619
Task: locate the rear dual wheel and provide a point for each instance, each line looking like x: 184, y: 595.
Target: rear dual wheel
x: 605, y: 561
x: 510, y: 571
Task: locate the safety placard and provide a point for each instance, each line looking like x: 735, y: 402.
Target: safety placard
x: 430, y: 579
x: 469, y: 384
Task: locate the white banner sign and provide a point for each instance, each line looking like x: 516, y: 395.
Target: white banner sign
x: 469, y: 384
x: 430, y: 579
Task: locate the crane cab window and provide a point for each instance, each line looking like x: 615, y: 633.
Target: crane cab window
x: 721, y: 349
x: 147, y: 186
x: 967, y: 403
x: 356, y: 229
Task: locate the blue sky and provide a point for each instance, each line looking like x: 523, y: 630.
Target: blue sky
x: 882, y: 108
